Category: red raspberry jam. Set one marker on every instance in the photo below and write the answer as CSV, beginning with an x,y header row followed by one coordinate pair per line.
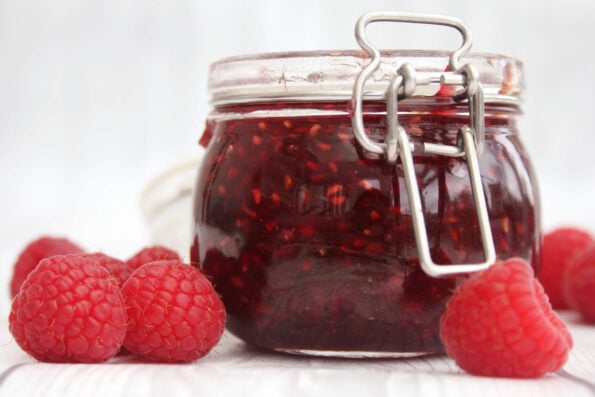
x,y
309,239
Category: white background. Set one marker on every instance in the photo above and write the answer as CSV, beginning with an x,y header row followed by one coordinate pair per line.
x,y
97,97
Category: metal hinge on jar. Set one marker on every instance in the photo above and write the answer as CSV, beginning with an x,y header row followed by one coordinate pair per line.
x,y
470,139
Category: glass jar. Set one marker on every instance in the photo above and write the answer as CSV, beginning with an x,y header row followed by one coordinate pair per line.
x,y
310,239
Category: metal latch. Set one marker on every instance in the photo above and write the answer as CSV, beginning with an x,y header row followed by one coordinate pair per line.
x,y
396,145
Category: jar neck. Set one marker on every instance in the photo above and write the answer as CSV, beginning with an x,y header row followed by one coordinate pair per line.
x,y
330,76
407,109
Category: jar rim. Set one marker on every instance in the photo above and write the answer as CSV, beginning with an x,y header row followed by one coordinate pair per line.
x,y
329,75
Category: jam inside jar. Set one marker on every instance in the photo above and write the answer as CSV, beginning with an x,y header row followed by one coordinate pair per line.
x,y
308,238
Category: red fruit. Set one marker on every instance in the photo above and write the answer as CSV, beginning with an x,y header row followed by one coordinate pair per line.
x,y
559,248
151,254
69,310
119,270
174,314
580,284
500,323
37,250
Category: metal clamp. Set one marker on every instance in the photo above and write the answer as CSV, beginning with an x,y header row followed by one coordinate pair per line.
x,y
470,139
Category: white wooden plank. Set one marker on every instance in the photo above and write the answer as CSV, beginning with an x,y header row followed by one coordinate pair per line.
x,y
234,368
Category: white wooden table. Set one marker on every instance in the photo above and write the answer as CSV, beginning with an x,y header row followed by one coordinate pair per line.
x,y
234,369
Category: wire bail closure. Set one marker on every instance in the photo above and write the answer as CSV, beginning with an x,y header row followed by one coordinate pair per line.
x,y
470,139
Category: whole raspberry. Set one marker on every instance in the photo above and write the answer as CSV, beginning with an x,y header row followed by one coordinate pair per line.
x,y
500,323
580,284
119,270
69,310
174,314
559,248
151,254
37,250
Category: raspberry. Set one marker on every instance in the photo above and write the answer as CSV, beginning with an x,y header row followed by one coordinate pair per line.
x,y
174,314
119,270
500,323
559,248
151,254
69,310
34,252
580,284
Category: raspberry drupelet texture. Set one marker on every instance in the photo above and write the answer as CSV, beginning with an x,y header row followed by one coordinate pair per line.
x,y
580,284
151,254
69,310
119,270
37,250
174,314
560,246
499,323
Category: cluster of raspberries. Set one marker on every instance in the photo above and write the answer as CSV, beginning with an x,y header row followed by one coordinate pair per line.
x,y
73,306
568,270
501,322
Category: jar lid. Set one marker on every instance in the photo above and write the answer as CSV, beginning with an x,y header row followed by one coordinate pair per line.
x,y
330,75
